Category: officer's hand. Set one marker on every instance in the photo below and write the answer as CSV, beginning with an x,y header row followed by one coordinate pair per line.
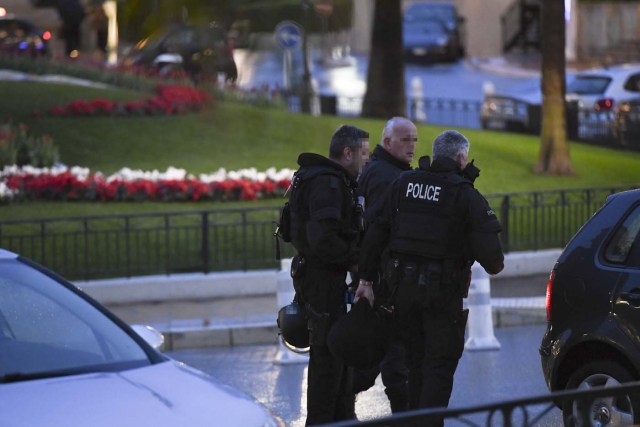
x,y
364,290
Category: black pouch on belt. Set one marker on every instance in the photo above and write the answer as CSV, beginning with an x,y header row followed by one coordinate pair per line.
x,y
318,325
298,265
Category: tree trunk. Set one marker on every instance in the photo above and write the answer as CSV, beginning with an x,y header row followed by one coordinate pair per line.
x,y
385,96
554,147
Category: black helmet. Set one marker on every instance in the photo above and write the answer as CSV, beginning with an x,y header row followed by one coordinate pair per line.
x,y
292,323
361,337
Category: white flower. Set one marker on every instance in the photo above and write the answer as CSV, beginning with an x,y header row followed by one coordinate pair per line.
x,y
5,192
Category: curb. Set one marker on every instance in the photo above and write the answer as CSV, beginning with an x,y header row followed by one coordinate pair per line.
x,y
255,294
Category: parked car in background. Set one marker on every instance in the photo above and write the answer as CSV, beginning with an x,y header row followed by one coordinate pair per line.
x,y
203,52
67,361
432,32
595,93
593,312
20,36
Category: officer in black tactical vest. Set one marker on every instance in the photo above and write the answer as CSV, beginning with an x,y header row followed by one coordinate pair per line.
x,y
325,230
436,225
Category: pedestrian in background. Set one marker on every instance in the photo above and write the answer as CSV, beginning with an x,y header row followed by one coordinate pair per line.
x,y
325,232
436,224
100,24
392,156
71,13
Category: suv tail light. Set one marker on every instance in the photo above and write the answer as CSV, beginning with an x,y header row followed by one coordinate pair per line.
x,y
549,294
605,104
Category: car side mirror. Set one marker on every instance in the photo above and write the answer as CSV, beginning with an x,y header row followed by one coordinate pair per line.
x,y
152,336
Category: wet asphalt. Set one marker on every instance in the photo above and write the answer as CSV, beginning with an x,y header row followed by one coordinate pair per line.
x,y
483,377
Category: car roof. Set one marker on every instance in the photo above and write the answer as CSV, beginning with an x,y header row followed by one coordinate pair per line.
x,y
629,195
614,71
5,254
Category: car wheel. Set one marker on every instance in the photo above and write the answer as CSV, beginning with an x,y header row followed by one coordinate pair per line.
x,y
604,410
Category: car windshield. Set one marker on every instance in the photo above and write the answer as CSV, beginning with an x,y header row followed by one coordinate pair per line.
x,y
443,12
429,26
589,85
47,330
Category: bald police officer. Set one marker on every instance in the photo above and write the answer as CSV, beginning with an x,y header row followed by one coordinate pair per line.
x,y
436,225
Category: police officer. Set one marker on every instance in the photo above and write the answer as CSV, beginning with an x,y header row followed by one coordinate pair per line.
x,y
436,225
391,157
325,232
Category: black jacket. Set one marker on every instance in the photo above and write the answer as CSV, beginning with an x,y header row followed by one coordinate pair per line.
x,y
322,212
377,177
478,224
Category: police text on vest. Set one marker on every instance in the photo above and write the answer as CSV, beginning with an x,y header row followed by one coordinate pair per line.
x,y
423,191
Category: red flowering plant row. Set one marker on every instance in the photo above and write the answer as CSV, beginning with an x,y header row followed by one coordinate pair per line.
x,y
169,99
62,183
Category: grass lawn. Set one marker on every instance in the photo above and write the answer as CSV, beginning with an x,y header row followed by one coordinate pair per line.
x,y
237,136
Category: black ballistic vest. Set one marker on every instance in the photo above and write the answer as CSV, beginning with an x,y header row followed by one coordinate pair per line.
x,y
429,219
299,205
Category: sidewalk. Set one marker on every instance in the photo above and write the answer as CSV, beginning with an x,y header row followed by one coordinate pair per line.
x,y
239,308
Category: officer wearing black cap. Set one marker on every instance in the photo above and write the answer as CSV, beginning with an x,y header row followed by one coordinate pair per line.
x,y
325,230
436,225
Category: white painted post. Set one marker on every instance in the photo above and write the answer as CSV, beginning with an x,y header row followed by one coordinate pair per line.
x,y
417,93
480,321
284,296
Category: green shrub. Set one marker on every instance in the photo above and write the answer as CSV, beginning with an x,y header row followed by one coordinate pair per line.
x,y
18,147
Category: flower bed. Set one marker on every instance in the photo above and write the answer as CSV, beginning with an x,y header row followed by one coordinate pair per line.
x,y
62,183
169,99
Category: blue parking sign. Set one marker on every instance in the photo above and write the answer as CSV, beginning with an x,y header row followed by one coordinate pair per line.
x,y
288,35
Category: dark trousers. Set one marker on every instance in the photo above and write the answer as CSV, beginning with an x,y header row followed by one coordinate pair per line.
x,y
433,333
327,382
327,378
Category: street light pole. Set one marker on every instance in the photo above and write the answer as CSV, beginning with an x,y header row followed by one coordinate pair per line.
x,y
305,95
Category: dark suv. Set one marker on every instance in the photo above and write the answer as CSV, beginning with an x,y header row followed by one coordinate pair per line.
x,y
593,311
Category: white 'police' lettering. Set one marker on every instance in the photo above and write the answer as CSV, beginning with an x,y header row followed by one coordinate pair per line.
x,y
422,191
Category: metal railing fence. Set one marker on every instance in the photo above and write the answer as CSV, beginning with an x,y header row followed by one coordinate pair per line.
x,y
588,405
585,125
128,245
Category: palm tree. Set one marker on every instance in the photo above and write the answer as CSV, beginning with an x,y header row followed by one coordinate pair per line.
x,y
554,155
385,96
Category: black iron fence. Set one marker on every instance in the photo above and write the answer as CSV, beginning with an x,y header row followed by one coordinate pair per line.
x,y
588,407
584,125
242,238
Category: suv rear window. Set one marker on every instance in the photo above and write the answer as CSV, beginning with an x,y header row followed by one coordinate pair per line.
x,y
589,85
618,249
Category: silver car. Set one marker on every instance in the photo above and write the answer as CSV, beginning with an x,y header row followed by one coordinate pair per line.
x,y
592,95
67,361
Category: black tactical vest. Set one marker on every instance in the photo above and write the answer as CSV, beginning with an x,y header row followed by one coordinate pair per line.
x,y
429,219
299,205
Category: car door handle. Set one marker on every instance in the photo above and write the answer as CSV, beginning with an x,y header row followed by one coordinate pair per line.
x,y
631,297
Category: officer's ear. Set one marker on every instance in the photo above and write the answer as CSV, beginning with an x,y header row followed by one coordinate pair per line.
x,y
347,153
386,143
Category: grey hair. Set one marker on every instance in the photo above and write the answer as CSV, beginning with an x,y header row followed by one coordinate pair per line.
x,y
449,144
390,126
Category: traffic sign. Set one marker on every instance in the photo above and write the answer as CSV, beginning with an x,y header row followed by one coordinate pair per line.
x,y
288,35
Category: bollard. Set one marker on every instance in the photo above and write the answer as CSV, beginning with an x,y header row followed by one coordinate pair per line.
x,y
480,322
284,296
417,105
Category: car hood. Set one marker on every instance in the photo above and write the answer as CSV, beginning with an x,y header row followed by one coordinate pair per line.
x,y
529,95
165,394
